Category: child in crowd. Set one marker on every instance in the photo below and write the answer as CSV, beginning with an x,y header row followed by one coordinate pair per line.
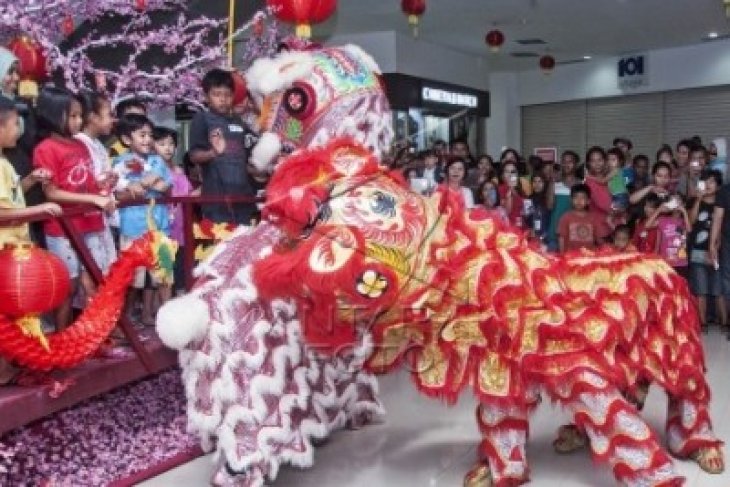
x,y
166,147
12,201
124,108
488,198
146,175
672,227
221,143
538,217
580,228
617,182
645,233
73,185
621,240
98,122
511,194
12,188
704,278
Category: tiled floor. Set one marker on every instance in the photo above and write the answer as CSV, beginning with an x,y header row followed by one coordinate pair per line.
x,y
425,443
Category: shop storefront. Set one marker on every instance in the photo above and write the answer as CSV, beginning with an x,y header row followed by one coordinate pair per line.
x,y
425,111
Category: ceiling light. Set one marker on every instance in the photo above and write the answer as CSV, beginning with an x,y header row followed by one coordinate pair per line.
x,y
587,58
712,35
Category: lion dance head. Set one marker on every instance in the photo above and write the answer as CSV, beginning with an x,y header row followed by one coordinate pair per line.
x,y
310,96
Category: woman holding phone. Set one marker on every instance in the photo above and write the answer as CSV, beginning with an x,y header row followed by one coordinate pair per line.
x,y
510,193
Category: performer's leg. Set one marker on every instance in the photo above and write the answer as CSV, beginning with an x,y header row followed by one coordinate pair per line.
x,y
502,456
619,435
689,434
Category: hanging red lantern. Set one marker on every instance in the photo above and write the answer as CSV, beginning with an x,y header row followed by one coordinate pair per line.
x,y
303,13
32,281
31,58
547,63
494,39
68,26
240,92
140,5
414,9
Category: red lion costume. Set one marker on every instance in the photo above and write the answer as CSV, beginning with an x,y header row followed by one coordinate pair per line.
x,y
464,300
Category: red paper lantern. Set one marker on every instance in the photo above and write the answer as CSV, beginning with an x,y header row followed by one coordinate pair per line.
x,y
32,281
547,63
31,58
413,9
494,39
303,13
68,26
140,5
240,91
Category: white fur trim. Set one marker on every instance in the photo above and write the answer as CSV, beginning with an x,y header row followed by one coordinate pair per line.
x,y
266,151
358,53
181,321
269,75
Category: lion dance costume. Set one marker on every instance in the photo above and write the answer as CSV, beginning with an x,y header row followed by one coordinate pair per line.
x,y
371,275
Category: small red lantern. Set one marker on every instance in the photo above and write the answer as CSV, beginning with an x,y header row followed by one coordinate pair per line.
x,y
240,91
494,39
414,9
140,5
68,26
303,13
547,63
31,58
32,281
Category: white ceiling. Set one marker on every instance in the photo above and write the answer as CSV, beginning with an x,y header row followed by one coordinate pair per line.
x,y
571,28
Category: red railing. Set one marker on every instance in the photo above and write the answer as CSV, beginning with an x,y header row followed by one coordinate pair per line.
x,y
28,404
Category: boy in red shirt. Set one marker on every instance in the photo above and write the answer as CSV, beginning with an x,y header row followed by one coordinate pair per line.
x,y
580,228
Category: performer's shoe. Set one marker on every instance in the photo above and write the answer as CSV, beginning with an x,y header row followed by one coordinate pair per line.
x,y
569,439
710,459
479,476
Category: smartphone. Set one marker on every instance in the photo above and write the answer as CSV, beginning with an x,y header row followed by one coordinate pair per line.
x,y
701,186
695,163
673,204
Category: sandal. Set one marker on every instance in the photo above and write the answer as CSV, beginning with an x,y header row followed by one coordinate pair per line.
x,y
479,476
710,459
569,439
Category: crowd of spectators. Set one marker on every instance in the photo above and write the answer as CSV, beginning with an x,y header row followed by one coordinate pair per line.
x,y
672,205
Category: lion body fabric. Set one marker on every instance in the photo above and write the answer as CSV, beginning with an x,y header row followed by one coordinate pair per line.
x,y
466,301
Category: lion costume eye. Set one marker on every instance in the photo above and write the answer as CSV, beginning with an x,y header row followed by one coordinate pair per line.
x,y
300,100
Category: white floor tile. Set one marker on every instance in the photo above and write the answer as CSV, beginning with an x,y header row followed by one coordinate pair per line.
x,y
425,443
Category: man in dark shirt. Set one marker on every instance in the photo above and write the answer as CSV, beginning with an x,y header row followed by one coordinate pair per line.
x,y
720,243
220,143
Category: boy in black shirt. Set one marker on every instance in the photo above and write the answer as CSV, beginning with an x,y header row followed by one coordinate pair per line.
x,y
220,143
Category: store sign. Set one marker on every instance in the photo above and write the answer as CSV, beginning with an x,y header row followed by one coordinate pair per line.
x,y
632,72
437,95
547,154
